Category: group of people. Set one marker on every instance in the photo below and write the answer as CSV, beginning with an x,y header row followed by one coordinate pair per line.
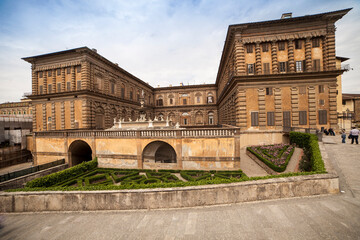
x,y
353,135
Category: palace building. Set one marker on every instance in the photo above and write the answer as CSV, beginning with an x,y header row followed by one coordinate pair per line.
x,y
272,74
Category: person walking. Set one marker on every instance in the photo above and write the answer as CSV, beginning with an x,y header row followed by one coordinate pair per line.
x,y
355,135
343,135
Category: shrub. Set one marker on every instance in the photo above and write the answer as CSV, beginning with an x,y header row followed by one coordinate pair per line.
x,y
62,176
194,175
311,148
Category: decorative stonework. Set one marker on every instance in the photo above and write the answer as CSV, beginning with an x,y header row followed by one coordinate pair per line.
x,y
308,58
73,80
332,107
258,58
72,114
291,55
62,115
278,108
312,106
262,113
241,108
53,116
44,117
274,61
294,107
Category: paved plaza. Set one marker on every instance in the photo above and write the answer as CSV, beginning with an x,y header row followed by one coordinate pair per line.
x,y
322,217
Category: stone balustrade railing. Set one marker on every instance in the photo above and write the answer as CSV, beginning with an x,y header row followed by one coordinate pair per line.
x,y
180,133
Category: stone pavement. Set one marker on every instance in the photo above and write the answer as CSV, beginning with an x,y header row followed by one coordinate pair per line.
x,y
16,167
322,217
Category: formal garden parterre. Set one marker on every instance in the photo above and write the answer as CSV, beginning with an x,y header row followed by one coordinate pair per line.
x,y
87,176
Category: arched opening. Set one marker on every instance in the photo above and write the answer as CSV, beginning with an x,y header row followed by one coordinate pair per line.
x,y
79,151
159,152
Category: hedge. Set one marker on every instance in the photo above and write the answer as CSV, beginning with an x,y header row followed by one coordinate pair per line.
x,y
311,146
62,176
270,164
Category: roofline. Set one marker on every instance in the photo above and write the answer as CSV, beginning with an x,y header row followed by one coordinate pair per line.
x,y
185,87
334,14
342,59
93,53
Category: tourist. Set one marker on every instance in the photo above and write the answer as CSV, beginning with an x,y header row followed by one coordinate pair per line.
x,y
343,135
354,135
331,131
326,132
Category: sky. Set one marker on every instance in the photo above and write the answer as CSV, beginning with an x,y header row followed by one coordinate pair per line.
x,y
161,42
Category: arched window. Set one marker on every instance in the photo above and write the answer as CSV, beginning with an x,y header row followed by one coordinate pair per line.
x,y
171,99
185,118
198,97
210,98
199,118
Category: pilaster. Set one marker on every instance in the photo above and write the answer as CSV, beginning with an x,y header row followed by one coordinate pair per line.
x,y
53,82
86,118
85,75
325,55
53,117
73,80
274,61
258,58
239,55
308,58
312,106
34,81
241,118
45,83
63,83
44,116
333,107
278,108
262,113
34,122
330,42
62,115
72,114
291,55
294,107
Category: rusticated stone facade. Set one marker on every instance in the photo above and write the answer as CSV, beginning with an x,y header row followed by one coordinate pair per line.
x,y
272,74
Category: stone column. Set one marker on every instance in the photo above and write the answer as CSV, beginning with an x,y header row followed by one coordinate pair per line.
x,y
312,106
308,58
34,81
239,55
53,116
86,121
63,83
53,82
332,107
85,75
294,107
274,61
34,118
291,55
325,55
278,109
262,113
108,122
72,114
62,115
258,58
240,102
44,116
45,83
73,80
330,43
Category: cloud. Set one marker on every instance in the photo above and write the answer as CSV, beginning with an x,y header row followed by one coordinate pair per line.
x,y
161,42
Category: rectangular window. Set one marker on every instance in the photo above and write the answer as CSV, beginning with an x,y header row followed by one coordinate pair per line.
x,y
68,70
249,48
322,102
269,91
265,47
49,88
250,68
41,89
299,66
184,101
270,118
122,92
197,100
321,88
254,119
68,86
316,65
302,117
322,117
131,95
159,102
315,42
185,121
302,90
78,85
49,73
281,46
40,74
59,87
298,44
58,72
112,88
286,119
266,68
78,69
282,67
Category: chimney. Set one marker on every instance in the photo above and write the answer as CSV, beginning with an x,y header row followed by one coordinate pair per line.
x,y
286,15
94,50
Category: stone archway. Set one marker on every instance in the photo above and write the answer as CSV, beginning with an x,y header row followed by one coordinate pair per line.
x,y
79,151
159,152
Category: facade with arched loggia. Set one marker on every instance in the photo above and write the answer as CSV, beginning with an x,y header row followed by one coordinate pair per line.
x,y
272,75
